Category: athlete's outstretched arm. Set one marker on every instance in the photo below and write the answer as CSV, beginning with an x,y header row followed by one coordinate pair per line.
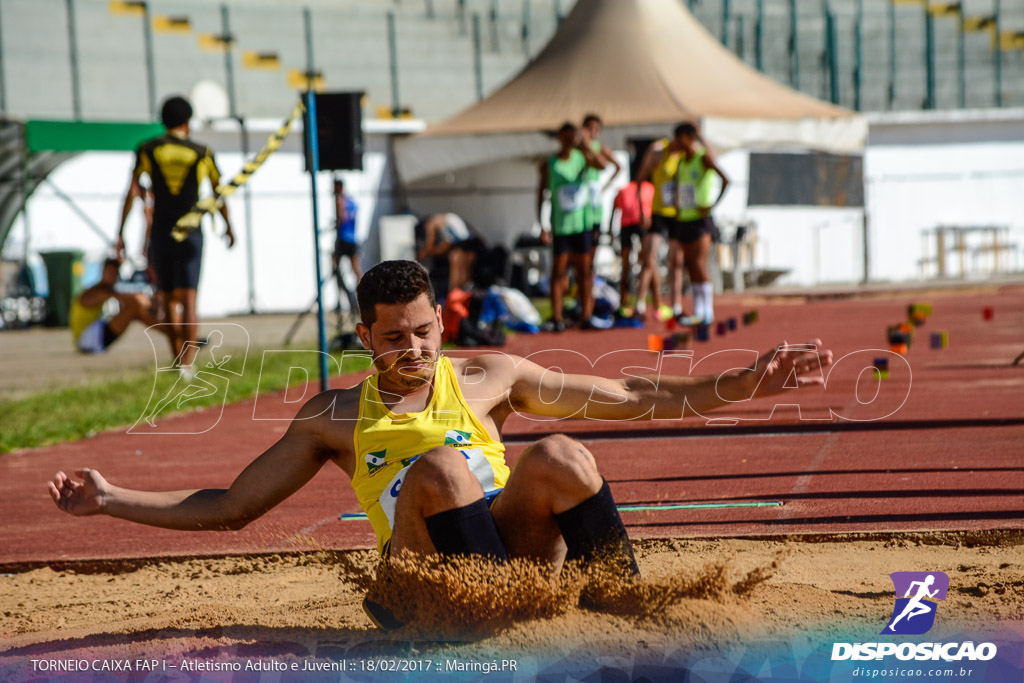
x,y
540,391
276,474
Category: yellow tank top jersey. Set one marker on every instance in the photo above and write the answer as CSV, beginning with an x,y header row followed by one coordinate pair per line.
x,y
80,317
664,180
387,444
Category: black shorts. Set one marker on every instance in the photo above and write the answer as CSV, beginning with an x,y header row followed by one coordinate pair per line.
x,y
580,243
177,264
689,232
343,248
661,225
109,336
626,233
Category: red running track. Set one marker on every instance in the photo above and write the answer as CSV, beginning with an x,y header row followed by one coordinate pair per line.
x,y
939,447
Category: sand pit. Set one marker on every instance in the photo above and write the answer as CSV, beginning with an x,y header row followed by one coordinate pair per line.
x,y
306,607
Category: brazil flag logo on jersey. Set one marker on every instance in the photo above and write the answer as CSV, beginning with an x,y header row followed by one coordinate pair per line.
x,y
375,461
456,438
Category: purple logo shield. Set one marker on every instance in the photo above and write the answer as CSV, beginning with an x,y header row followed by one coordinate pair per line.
x,y
917,594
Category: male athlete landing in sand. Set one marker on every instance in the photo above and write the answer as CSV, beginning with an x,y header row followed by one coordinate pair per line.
x,y
425,455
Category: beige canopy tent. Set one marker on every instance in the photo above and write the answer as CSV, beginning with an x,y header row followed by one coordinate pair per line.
x,y
635,63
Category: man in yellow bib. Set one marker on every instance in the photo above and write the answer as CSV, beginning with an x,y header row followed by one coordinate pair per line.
x,y
421,442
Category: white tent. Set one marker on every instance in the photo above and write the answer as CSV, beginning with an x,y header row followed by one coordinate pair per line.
x,y
635,63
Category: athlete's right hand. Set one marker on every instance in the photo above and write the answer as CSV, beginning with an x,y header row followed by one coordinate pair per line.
x,y
119,247
645,220
79,498
545,237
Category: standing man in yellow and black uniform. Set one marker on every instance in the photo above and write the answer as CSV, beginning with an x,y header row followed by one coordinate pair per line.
x,y
177,167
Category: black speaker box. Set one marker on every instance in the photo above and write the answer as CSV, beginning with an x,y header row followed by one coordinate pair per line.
x,y
339,120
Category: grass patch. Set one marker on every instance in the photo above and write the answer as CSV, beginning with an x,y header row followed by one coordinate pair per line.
x,y
74,413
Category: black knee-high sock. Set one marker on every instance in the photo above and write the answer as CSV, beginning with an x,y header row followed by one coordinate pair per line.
x,y
593,527
468,530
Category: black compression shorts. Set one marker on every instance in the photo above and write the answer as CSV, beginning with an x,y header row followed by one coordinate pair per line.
x,y
688,232
177,264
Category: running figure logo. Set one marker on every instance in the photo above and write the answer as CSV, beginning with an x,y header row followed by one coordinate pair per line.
x,y
914,612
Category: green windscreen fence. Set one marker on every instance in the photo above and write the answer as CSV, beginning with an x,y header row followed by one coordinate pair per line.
x,y
81,136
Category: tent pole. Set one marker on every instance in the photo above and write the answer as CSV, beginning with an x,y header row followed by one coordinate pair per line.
x,y
76,86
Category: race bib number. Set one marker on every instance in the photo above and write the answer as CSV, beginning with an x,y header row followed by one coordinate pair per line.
x,y
389,498
668,193
478,464
571,197
595,195
687,196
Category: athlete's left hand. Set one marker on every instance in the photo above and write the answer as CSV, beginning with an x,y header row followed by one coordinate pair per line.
x,y
775,370
703,211
229,237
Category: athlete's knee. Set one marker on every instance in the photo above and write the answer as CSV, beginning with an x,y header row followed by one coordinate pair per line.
x,y
564,462
440,472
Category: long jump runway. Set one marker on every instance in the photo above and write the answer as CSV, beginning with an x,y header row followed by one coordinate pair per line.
x,y
937,446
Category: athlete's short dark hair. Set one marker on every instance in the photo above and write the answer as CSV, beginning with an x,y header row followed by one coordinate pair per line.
x,y
592,118
685,128
567,126
392,282
175,112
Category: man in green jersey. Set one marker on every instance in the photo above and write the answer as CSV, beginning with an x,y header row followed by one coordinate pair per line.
x,y
563,180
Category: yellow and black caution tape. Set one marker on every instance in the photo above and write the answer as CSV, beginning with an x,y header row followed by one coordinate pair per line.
x,y
191,220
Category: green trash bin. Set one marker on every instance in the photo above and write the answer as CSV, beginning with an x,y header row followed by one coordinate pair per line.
x,y
64,270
